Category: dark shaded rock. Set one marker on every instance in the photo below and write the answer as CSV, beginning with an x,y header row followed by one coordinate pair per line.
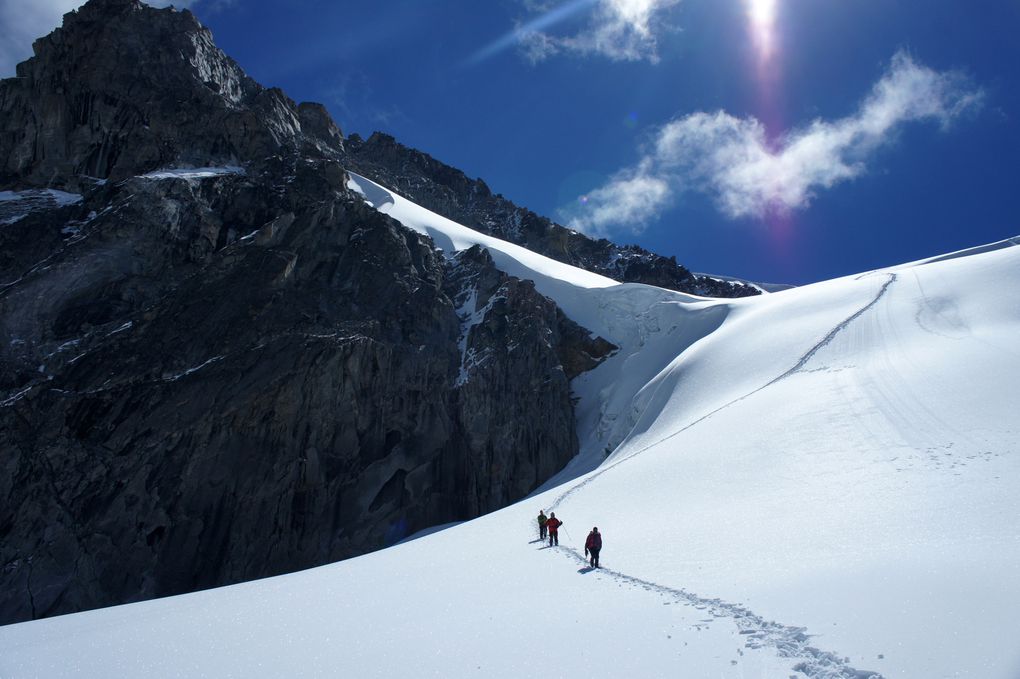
x,y
122,89
207,380
449,192
214,380
204,381
518,355
318,125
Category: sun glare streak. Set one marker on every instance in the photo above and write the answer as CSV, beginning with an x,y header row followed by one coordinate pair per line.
x,y
547,20
762,17
761,22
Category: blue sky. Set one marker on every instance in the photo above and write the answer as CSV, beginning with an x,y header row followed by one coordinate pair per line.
x,y
778,140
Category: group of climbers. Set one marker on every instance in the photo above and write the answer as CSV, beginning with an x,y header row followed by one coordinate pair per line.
x,y
551,526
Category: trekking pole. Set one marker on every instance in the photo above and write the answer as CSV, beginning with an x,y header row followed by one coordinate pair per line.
x,y
568,534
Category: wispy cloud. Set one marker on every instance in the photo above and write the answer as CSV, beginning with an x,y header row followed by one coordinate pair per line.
x,y
634,195
733,160
623,30
21,22
531,30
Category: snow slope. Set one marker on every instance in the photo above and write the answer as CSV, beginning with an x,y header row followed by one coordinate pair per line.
x,y
821,482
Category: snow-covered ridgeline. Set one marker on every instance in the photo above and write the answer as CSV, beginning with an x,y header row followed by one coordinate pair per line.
x,y
600,304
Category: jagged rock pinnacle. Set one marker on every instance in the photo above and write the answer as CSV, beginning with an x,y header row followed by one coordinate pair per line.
x,y
123,88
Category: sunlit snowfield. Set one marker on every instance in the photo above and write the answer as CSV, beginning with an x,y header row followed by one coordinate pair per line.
x,y
820,482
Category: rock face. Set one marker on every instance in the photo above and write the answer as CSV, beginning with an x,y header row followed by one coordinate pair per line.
x,y
516,347
122,88
451,193
181,414
207,377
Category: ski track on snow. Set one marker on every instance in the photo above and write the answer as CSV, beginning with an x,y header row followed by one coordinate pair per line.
x,y
790,641
831,335
795,369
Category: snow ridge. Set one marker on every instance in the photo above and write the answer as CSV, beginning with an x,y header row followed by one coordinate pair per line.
x,y
832,333
788,640
840,327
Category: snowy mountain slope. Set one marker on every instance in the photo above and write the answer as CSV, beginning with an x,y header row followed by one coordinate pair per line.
x,y
449,192
650,325
907,371
864,487
821,482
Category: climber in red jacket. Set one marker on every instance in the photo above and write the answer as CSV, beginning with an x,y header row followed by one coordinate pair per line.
x,y
553,525
593,545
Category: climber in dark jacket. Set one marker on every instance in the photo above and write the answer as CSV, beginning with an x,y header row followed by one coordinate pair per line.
x,y
541,524
593,545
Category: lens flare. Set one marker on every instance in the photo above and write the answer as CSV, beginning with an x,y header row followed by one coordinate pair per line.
x,y
761,26
762,16
514,37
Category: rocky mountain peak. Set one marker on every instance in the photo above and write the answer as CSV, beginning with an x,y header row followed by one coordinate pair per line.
x,y
158,47
122,88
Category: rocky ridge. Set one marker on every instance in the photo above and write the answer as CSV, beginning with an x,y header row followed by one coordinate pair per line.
x,y
213,375
449,192
121,89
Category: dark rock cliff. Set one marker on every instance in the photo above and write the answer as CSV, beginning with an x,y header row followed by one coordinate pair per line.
x,y
122,88
451,193
207,379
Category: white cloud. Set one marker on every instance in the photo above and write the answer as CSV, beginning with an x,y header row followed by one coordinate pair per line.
x,y
623,30
632,196
732,160
23,21
537,47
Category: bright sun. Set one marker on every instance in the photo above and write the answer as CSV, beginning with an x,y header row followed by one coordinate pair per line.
x,y
762,12
762,17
